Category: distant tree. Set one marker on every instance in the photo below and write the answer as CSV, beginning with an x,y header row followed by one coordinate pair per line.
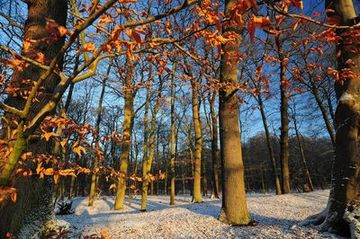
x,y
129,95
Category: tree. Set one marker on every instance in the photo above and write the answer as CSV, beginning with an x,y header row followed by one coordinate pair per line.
x,y
34,196
261,85
214,144
234,207
341,213
148,161
95,175
284,128
198,141
128,123
172,137
301,148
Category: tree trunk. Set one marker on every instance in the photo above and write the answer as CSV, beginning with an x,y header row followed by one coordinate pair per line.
x,y
172,140
94,176
302,153
234,207
284,136
203,178
158,160
129,95
147,164
198,142
345,195
324,113
343,209
214,146
34,206
270,147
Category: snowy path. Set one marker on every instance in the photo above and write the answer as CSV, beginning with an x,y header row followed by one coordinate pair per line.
x,y
275,215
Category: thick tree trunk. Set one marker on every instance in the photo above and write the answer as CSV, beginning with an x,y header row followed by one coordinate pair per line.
x,y
284,136
33,208
343,209
198,143
270,147
345,196
234,207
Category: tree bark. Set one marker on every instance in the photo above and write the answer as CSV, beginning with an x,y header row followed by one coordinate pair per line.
x,y
129,95
324,113
214,145
343,209
147,164
198,143
172,140
284,136
94,176
270,147
234,207
345,195
33,208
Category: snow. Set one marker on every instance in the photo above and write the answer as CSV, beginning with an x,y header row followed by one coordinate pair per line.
x,y
277,217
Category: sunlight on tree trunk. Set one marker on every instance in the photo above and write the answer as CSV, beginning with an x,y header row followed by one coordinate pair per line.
x,y
147,164
234,207
95,176
198,143
214,145
342,212
34,195
129,96
172,138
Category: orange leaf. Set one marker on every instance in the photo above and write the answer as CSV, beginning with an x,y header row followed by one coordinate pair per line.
x,y
39,168
56,178
63,31
49,171
13,196
105,19
90,46
112,187
67,172
6,191
133,34
298,3
63,142
257,22
105,233
80,150
48,135
26,45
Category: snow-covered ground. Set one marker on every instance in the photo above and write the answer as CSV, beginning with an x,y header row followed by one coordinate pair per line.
x,y
277,217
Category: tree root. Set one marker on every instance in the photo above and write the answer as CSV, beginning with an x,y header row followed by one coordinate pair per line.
x,y
348,225
315,220
352,217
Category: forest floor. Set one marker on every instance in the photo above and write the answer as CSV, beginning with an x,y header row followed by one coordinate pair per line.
x,y
277,217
